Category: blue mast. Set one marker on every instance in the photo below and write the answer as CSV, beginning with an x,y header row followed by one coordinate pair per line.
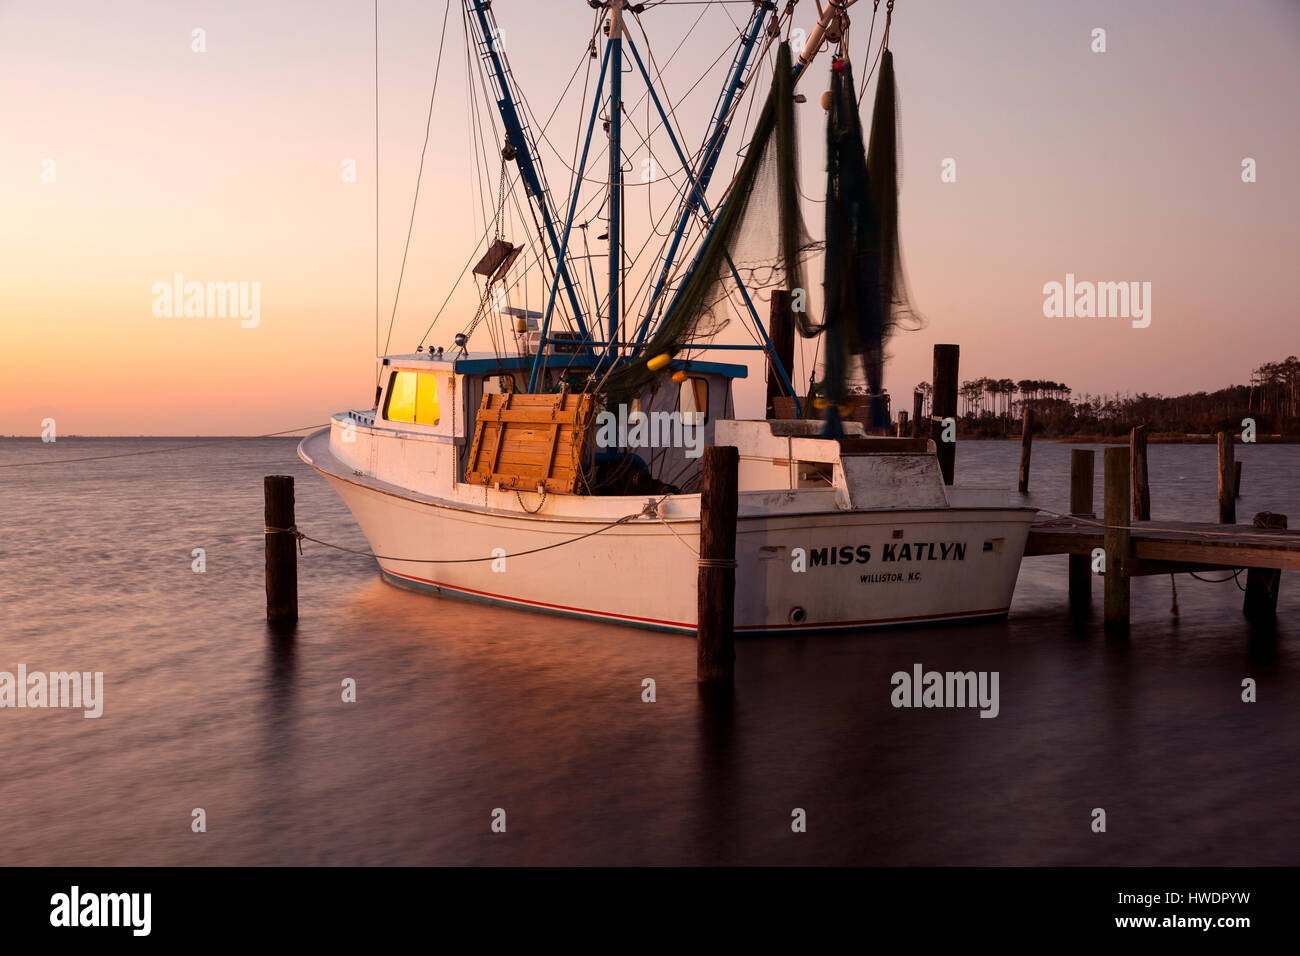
x,y
568,229
703,205
525,149
615,51
720,126
692,203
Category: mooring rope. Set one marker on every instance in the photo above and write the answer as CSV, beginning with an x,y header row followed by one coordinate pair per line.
x,y
1234,577
651,509
301,537
1230,577
1236,572
1199,532
684,542
157,451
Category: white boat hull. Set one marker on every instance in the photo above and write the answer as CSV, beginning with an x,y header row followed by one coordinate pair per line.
x,y
813,571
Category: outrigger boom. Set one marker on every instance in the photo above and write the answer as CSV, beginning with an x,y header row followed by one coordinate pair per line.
x,y
832,21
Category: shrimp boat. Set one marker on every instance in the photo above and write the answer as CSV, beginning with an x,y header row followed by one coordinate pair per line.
x,y
560,472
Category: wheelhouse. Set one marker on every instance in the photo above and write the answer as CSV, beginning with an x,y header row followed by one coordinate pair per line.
x,y
437,397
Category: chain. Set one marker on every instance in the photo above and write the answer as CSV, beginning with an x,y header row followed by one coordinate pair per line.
x,y
501,193
540,504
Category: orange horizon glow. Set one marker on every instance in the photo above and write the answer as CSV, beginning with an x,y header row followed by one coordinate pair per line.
x,y
226,166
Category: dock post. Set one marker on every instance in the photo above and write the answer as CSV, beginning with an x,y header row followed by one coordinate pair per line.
x,y
1026,445
902,423
1227,504
780,327
1116,538
918,403
281,553
1236,479
1262,584
1137,442
1083,466
715,610
944,405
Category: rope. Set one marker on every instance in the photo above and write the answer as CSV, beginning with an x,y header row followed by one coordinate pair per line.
x,y
1145,527
498,225
871,33
519,554
1234,576
655,513
292,529
428,123
1230,577
474,252
884,45
156,451
651,510
376,5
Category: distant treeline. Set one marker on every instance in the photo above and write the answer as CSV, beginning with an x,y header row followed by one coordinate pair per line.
x,y
991,407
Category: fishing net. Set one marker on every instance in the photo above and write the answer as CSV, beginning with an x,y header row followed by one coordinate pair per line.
x,y
759,240
897,311
865,287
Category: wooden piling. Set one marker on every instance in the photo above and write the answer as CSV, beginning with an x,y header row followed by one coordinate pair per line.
x,y
944,405
918,403
1083,465
1026,445
1262,584
1227,482
1236,479
1116,539
902,423
281,550
780,327
1137,443
715,652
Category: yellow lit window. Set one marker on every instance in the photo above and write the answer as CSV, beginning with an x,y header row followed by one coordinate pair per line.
x,y
426,399
413,397
401,398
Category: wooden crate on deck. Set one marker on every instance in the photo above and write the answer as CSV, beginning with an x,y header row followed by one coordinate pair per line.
x,y
523,440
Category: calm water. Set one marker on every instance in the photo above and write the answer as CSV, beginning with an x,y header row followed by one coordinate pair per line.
x,y
462,709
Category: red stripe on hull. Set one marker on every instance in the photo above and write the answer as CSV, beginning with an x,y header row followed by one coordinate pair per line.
x,y
678,626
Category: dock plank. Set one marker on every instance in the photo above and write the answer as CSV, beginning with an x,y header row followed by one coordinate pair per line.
x,y
1171,543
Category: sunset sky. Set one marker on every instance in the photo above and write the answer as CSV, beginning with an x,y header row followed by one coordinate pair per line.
x,y
226,166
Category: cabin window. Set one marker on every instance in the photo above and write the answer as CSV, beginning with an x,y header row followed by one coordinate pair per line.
x,y
413,397
693,401
499,384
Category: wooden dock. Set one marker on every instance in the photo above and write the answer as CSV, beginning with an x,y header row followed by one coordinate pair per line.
x,y
1125,544
1174,547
